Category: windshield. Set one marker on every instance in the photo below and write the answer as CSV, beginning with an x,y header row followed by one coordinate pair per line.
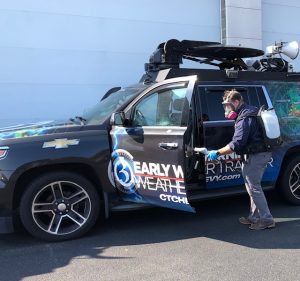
x,y
102,110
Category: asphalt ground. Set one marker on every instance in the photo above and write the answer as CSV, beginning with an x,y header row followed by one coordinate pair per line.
x,y
162,244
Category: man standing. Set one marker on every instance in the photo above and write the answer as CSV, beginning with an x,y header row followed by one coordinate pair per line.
x,y
248,141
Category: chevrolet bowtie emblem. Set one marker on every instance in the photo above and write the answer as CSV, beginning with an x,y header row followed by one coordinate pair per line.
x,y
60,143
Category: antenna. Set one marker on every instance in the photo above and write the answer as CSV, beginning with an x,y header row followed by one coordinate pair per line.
x,y
170,54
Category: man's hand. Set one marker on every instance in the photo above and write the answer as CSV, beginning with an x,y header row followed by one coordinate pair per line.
x,y
212,155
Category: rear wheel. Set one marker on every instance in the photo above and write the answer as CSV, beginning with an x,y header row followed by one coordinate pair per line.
x,y
59,206
289,182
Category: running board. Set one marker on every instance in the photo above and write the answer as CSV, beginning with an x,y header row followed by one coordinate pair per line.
x,y
130,206
209,194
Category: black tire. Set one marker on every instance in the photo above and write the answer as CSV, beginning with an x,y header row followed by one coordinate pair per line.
x,y
289,180
59,206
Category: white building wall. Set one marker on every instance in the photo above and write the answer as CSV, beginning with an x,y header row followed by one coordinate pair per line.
x,y
58,57
242,23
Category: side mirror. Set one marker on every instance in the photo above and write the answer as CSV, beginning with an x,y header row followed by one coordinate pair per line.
x,y
117,118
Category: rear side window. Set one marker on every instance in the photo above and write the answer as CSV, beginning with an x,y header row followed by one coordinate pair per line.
x,y
211,101
253,97
211,98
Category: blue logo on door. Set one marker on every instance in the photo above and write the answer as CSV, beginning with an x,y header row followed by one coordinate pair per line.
x,y
123,171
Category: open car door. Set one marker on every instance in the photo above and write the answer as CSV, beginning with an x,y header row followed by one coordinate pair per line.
x,y
148,153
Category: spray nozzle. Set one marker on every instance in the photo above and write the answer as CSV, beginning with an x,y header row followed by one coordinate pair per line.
x,y
202,150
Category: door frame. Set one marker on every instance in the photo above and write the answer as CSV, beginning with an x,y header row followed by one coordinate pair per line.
x,y
182,202
227,123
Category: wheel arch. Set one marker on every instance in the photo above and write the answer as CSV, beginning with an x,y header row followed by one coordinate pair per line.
x,y
289,154
79,168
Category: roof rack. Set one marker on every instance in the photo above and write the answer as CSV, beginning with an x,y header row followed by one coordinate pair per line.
x,y
169,54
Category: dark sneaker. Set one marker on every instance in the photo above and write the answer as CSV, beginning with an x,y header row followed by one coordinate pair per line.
x,y
246,221
262,225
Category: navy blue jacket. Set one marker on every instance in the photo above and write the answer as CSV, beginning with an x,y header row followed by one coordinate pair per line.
x,y
246,130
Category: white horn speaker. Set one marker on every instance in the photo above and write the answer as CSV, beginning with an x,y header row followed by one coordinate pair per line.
x,y
290,49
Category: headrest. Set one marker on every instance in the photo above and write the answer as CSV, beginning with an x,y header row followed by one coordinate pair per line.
x,y
178,104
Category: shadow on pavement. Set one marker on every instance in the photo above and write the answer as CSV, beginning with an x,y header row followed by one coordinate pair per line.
x,y
215,219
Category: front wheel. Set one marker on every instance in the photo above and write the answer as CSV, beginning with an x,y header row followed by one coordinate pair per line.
x,y
59,206
289,182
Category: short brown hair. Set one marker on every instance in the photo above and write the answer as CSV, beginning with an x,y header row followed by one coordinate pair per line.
x,y
232,95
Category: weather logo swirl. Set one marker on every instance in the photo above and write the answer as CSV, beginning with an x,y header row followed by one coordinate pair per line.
x,y
123,171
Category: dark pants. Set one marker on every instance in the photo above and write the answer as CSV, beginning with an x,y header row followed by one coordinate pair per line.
x,y
252,170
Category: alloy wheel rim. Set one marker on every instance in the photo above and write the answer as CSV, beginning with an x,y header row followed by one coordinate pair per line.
x,y
61,208
294,181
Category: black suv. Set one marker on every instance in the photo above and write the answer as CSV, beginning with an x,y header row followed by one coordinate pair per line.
x,y
135,148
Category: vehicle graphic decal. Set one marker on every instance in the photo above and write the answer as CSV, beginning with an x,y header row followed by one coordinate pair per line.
x,y
285,97
122,171
227,171
23,133
31,130
3,151
160,184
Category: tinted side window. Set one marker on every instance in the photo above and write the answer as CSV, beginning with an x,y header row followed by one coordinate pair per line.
x,y
253,97
166,107
211,101
212,97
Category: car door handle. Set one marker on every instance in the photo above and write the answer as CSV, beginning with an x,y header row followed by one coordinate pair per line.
x,y
168,145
